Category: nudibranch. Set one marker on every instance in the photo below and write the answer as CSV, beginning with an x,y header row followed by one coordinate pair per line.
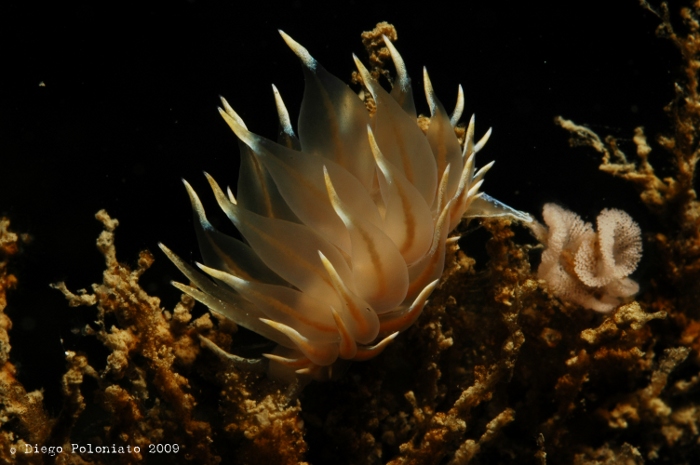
x,y
345,226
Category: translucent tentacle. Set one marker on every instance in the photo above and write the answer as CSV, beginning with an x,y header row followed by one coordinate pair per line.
x,y
299,178
359,318
223,301
486,206
398,321
408,219
286,136
400,139
459,107
289,249
225,252
332,119
322,354
365,353
288,306
442,139
401,91
379,270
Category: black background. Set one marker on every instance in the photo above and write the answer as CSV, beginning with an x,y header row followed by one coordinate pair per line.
x,y
128,107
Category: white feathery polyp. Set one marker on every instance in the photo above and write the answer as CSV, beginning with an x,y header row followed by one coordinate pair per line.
x,y
587,267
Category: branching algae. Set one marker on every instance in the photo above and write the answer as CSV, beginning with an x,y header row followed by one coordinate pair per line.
x,y
499,367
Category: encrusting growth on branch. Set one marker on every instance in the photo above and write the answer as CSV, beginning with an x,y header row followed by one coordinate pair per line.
x,y
655,192
147,390
23,419
672,199
669,195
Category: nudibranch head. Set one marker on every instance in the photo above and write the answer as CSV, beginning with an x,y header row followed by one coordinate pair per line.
x,y
346,225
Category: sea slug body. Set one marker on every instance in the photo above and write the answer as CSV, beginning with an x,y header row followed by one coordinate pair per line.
x,y
345,226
